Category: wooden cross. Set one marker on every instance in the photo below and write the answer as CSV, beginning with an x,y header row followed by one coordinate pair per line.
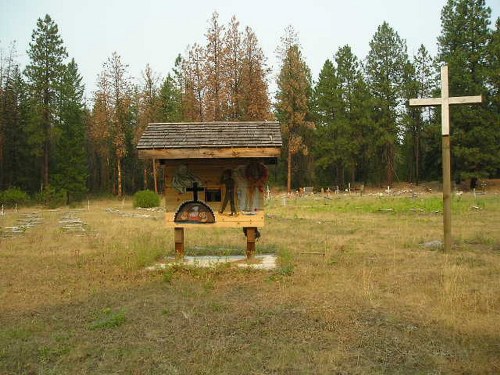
x,y
195,189
445,101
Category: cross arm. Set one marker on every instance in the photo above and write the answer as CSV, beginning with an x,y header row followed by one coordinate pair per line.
x,y
425,102
466,99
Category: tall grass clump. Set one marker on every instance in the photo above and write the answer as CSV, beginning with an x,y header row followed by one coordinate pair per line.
x,y
146,199
147,249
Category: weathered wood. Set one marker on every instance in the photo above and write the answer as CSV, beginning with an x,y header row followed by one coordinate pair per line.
x,y
179,241
221,221
210,134
209,153
251,236
445,101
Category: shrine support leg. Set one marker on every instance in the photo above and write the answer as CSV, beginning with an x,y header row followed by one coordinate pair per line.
x,y
251,242
179,242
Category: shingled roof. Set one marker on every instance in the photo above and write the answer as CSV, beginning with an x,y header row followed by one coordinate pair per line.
x,y
210,135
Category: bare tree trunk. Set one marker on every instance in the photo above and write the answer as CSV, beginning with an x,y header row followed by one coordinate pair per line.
x,y
46,164
289,172
119,171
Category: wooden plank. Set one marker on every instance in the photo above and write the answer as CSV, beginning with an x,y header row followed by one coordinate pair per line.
x,y
221,221
179,241
466,99
251,234
210,153
425,102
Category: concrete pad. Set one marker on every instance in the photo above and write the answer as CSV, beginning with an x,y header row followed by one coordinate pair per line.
x,y
261,262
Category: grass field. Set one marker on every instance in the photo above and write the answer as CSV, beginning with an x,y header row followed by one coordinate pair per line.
x,y
376,302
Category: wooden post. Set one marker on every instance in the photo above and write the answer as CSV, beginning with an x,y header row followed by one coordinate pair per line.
x,y
251,242
179,242
447,241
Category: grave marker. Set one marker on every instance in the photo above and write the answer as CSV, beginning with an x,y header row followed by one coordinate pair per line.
x,y
445,101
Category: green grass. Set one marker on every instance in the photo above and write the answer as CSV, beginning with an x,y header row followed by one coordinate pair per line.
x,y
109,319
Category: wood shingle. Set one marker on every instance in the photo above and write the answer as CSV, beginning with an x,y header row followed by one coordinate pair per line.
x,y
210,140
210,135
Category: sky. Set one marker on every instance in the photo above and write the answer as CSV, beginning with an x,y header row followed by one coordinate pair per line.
x,y
154,32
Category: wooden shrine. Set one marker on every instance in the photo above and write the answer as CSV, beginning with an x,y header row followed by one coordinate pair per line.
x,y
215,173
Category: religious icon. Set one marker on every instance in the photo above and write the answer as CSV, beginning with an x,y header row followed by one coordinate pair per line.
x,y
228,181
257,176
184,178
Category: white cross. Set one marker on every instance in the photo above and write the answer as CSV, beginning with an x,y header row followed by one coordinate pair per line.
x,y
445,101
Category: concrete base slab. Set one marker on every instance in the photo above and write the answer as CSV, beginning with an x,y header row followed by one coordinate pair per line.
x,y
260,262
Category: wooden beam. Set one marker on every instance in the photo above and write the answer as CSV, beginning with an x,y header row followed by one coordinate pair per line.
x,y
179,241
466,99
221,221
210,153
425,102
251,236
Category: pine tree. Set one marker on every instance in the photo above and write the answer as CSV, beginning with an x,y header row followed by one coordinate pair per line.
x,y
463,45
232,69
292,104
111,127
357,107
71,170
170,101
216,84
194,90
385,67
419,83
43,77
327,109
149,107
493,79
254,98
16,166
99,139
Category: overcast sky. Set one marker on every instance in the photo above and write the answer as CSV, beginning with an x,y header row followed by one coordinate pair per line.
x,y
156,31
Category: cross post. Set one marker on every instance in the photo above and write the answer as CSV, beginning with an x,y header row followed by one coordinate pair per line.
x,y
445,101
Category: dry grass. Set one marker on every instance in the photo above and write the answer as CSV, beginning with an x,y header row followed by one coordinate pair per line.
x,y
377,302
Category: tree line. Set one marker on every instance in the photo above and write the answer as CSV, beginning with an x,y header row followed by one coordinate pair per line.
x,y
350,125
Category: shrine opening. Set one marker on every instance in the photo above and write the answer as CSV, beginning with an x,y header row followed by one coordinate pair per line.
x,y
215,173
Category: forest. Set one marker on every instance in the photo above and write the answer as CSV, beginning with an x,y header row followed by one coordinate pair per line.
x,y
350,125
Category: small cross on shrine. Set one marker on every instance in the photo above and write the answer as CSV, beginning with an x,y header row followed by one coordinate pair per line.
x,y
445,101
195,189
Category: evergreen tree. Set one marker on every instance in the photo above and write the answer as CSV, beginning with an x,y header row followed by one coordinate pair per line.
x,y
170,101
253,96
419,83
112,125
385,65
232,69
327,109
70,169
149,109
16,167
43,78
292,107
463,45
357,107
215,71
193,92
493,81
